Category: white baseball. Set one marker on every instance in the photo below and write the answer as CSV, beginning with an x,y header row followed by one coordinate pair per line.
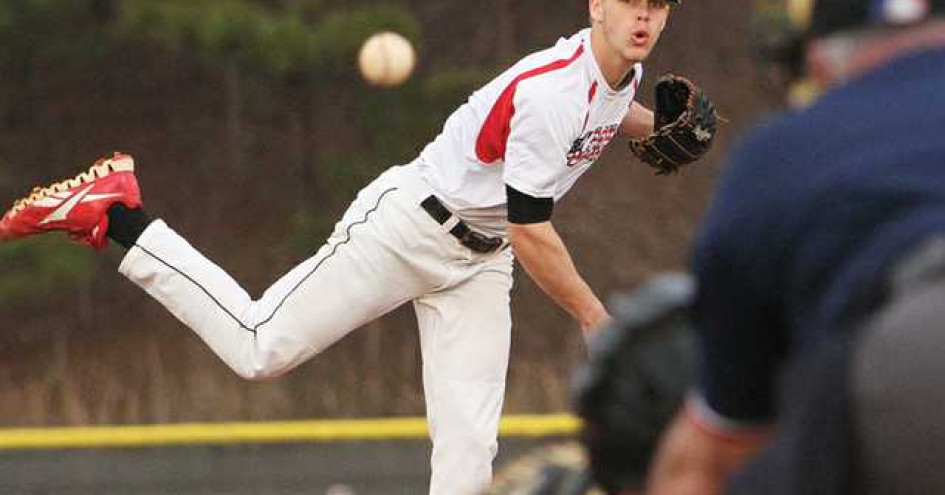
x,y
386,59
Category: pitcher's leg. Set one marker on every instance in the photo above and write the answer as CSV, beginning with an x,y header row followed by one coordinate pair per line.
x,y
465,336
353,279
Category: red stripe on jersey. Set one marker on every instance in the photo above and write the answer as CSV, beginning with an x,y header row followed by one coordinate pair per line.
x,y
590,98
494,134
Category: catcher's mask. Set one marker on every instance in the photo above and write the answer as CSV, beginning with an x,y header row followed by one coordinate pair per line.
x,y
781,28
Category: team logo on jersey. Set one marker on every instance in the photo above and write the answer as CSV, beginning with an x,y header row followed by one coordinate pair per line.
x,y
588,148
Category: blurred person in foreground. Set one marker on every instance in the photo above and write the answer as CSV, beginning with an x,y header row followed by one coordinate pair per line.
x,y
820,275
435,232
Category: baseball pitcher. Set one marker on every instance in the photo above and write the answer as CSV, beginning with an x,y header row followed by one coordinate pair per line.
x,y
436,232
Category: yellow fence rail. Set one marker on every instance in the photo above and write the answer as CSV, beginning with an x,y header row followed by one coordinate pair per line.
x,y
353,430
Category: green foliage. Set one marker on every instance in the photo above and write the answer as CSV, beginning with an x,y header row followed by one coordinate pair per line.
x,y
447,89
19,14
4,177
8,18
283,47
309,231
224,25
394,126
219,28
289,47
168,24
342,32
298,39
304,7
348,172
47,28
400,122
454,85
41,266
277,43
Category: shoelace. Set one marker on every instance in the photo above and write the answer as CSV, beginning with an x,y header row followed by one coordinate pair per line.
x,y
100,169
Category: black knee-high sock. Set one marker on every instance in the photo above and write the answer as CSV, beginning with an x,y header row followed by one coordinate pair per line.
x,y
125,225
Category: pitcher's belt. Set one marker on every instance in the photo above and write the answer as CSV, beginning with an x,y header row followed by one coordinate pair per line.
x,y
476,241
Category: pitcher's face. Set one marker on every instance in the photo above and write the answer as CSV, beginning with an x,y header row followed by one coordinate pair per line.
x,y
630,28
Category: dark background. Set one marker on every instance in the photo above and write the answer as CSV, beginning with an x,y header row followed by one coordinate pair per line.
x,y
252,131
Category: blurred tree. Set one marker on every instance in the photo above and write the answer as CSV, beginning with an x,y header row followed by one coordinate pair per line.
x,y
35,34
41,266
297,50
301,48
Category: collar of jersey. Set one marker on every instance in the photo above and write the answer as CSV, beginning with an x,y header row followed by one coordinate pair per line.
x,y
598,75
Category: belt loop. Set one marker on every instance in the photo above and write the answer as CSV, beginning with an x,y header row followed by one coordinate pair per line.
x,y
451,222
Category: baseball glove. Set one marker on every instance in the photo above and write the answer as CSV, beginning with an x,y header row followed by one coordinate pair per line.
x,y
685,126
639,371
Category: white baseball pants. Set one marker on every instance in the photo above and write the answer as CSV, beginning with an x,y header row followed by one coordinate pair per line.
x,y
385,251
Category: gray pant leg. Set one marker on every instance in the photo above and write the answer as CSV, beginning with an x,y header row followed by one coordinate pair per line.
x,y
899,394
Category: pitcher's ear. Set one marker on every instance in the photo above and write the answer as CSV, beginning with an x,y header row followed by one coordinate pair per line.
x,y
595,10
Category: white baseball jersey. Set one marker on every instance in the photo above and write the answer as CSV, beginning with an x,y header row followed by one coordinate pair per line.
x,y
536,127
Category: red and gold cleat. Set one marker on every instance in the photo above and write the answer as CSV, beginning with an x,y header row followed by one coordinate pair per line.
x,y
76,206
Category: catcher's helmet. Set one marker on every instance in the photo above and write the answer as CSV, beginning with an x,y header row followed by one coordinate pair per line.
x,y
640,368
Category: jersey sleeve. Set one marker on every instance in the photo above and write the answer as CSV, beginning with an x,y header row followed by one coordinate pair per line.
x,y
736,313
540,136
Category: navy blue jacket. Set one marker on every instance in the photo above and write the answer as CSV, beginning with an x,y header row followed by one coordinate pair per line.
x,y
810,213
